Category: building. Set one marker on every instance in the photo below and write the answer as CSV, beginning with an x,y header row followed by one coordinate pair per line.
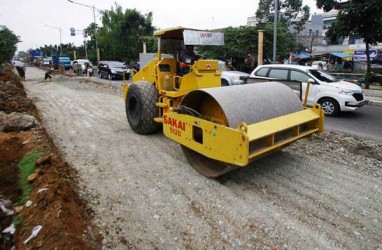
x,y
313,37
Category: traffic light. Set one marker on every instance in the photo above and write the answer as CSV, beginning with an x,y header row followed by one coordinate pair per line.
x,y
72,32
85,33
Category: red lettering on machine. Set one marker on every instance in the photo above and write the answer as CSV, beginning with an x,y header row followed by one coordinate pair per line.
x,y
174,123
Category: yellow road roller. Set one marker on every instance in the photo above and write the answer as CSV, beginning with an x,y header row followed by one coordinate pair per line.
x,y
219,128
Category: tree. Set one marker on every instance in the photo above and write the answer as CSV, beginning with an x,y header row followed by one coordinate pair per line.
x,y
240,40
291,13
8,41
22,54
359,17
244,39
48,51
122,33
90,44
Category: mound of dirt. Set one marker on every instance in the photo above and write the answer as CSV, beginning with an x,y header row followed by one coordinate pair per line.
x,y
53,203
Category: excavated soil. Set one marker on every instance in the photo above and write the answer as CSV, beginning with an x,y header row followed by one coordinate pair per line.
x,y
65,220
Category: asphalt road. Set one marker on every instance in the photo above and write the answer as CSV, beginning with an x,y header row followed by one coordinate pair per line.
x,y
366,122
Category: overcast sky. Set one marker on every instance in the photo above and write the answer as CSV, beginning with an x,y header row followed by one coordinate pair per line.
x,y
29,19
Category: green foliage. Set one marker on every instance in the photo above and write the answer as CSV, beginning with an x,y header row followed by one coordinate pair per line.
x,y
18,220
121,37
22,54
291,13
122,34
244,39
370,76
285,41
50,50
8,41
27,166
328,5
239,40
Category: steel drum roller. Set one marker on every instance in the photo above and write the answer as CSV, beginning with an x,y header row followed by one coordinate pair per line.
x,y
250,103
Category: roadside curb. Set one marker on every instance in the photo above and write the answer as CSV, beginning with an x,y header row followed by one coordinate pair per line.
x,y
374,103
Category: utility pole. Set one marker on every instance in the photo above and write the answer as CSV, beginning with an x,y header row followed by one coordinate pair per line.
x,y
95,31
275,31
59,30
260,47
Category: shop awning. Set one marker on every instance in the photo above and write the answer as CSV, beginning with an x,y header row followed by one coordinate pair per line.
x,y
341,55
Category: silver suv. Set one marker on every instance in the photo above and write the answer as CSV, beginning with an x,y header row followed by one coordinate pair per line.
x,y
79,66
231,76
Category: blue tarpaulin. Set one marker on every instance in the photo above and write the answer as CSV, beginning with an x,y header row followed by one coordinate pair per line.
x,y
341,55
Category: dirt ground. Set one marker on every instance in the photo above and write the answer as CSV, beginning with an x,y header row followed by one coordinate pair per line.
x,y
323,193
56,206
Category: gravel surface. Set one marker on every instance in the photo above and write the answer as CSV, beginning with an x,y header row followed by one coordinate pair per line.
x,y
323,193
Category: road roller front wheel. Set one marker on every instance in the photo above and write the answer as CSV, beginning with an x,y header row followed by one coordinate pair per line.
x,y
232,106
206,166
141,108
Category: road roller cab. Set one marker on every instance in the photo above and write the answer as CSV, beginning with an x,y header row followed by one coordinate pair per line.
x,y
219,129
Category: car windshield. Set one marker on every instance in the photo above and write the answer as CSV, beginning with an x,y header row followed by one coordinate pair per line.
x,y
116,65
322,76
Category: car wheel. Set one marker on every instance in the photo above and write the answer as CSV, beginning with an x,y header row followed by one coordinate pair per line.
x,y
224,83
329,106
109,76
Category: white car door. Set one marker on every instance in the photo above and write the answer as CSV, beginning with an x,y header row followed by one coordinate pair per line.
x,y
303,77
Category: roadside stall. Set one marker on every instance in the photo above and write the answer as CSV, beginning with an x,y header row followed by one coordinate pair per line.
x,y
340,62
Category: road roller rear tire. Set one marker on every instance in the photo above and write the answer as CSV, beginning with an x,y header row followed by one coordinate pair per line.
x,y
206,166
141,107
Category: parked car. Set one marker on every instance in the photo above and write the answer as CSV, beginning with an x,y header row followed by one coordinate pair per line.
x,y
46,62
79,66
333,95
113,70
231,76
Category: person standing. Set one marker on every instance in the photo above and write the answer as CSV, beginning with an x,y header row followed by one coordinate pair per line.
x,y
49,74
21,70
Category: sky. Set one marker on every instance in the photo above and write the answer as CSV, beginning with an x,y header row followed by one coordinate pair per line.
x,y
38,22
